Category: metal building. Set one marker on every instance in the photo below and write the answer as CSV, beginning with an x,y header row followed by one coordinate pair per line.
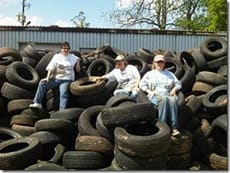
x,y
86,39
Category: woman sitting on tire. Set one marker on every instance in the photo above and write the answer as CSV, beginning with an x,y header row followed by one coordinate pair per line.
x,y
127,76
161,86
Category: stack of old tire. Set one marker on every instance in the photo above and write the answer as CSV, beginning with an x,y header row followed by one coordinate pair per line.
x,y
106,132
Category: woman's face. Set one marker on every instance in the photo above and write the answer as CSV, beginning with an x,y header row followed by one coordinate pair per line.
x,y
160,65
120,65
65,50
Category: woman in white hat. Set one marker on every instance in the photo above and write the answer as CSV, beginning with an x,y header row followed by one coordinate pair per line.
x,y
161,86
126,75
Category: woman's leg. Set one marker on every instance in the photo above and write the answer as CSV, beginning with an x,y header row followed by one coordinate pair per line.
x,y
173,107
64,94
43,86
162,103
121,91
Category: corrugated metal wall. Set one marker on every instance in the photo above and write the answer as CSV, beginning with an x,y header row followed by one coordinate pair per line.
x,y
129,41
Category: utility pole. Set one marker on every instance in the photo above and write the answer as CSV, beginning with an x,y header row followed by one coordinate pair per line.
x,y
21,16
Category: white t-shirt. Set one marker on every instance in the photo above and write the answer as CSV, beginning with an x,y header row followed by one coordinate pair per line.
x,y
63,66
127,78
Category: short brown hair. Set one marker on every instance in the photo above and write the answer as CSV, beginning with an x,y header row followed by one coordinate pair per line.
x,y
65,44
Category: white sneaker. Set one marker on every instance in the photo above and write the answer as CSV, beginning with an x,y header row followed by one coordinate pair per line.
x,y
35,105
175,132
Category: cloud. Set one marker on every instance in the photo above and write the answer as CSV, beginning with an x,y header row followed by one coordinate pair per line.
x,y
5,20
35,20
123,3
63,23
5,3
12,21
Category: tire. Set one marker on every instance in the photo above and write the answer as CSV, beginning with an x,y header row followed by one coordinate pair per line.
x,y
89,160
87,86
187,79
223,70
99,67
24,130
146,54
108,133
156,142
87,121
18,105
194,56
24,120
137,163
119,116
22,75
179,162
71,114
218,162
193,103
211,78
213,47
59,125
19,153
181,144
140,63
211,102
142,97
96,99
5,51
45,166
216,63
13,92
201,87
117,99
93,143
175,66
7,134
46,137
31,52
221,122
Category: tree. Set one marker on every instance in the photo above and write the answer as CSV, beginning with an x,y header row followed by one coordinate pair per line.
x,y
79,20
21,16
145,13
217,15
192,15
169,14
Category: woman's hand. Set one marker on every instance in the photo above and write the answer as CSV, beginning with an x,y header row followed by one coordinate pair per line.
x,y
173,92
151,93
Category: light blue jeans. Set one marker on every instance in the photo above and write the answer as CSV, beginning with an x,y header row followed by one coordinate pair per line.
x,y
44,86
167,109
126,92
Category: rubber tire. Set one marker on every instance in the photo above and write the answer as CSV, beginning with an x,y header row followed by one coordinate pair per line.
x,y
143,145
87,86
7,134
13,92
218,162
211,78
6,51
99,67
117,99
214,47
22,75
18,105
87,120
17,154
119,116
45,166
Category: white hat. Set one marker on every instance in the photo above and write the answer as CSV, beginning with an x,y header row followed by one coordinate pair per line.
x,y
159,58
120,58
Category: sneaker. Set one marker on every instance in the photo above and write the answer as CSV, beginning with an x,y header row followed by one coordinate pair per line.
x,y
35,105
175,132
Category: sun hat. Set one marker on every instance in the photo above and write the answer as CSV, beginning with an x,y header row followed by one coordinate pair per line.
x,y
159,58
120,58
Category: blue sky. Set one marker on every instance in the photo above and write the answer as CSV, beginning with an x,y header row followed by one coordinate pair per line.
x,y
58,12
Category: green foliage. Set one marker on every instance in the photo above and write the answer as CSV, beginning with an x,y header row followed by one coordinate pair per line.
x,y
217,15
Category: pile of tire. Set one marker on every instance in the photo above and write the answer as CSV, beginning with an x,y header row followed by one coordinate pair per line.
x,y
99,131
